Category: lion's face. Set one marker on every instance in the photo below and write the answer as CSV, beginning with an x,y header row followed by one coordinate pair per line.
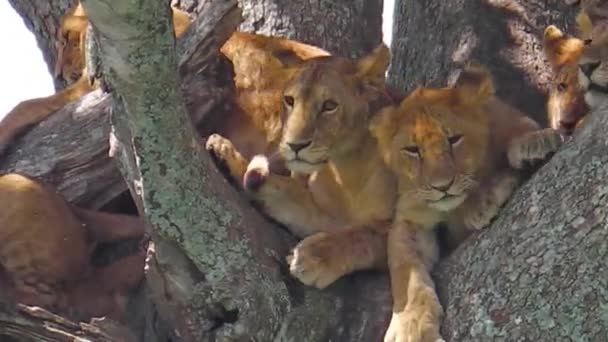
x,y
436,140
70,45
326,107
593,66
566,104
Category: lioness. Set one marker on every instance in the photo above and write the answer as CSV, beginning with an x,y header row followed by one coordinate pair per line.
x,y
455,152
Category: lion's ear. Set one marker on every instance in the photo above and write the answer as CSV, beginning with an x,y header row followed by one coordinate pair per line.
x,y
383,126
373,66
475,84
560,49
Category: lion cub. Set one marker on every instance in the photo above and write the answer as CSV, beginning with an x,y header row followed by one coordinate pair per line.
x,y
46,246
455,152
566,104
580,77
327,106
593,66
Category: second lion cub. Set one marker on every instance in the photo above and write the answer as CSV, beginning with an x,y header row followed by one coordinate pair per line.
x,y
455,152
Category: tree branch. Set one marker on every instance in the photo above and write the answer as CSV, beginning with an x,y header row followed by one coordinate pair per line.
x,y
34,324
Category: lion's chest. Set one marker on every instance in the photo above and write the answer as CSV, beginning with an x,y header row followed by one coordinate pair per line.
x,y
355,202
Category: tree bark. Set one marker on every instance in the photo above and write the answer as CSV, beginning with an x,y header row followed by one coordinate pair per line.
x,y
347,28
433,38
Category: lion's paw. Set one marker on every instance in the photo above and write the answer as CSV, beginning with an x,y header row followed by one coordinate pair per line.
x,y
405,327
220,147
224,152
533,147
489,203
256,174
314,261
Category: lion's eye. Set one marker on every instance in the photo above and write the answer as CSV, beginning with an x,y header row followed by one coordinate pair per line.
x,y
289,100
329,106
587,41
412,151
454,140
561,87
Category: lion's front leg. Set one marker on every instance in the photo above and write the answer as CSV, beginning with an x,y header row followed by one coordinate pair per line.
x,y
417,313
225,152
532,147
483,206
287,200
321,259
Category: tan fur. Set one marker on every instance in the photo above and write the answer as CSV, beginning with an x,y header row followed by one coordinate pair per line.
x,y
593,68
70,65
454,151
566,104
45,247
348,194
262,66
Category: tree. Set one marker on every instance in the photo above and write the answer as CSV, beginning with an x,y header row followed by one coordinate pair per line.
x,y
229,260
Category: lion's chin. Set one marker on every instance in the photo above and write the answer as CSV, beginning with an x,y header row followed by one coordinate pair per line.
x,y
448,203
301,166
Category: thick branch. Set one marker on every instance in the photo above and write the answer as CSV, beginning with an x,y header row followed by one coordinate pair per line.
x,y
33,324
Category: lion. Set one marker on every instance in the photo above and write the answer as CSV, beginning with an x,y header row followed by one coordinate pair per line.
x,y
71,66
343,205
593,69
262,67
456,153
566,104
46,246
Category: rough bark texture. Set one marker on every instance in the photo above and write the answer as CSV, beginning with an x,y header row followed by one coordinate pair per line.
x,y
43,18
21,323
349,28
433,37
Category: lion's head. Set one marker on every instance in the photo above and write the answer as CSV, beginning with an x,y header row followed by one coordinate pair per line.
x,y
566,103
327,105
593,63
436,139
70,45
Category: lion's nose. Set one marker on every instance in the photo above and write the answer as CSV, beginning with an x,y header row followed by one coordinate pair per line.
x,y
443,186
296,147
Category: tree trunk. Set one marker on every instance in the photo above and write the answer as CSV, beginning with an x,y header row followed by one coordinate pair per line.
x,y
433,38
538,273
348,28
